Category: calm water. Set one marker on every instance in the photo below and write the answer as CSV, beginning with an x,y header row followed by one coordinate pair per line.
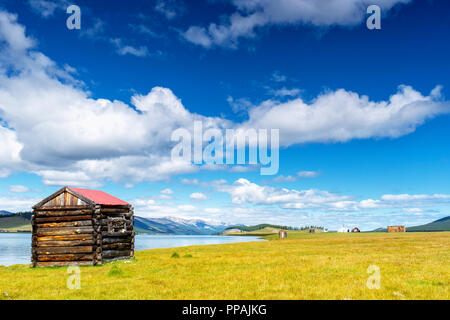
x,y
15,248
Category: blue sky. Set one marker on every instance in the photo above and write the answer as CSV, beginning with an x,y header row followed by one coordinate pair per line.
x,y
362,114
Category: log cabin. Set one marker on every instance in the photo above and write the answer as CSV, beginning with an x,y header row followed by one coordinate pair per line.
x,y
396,229
81,227
282,234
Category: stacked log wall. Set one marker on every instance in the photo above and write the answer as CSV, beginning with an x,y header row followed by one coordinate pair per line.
x,y
117,244
69,231
63,236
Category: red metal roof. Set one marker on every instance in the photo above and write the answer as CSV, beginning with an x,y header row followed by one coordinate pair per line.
x,y
100,197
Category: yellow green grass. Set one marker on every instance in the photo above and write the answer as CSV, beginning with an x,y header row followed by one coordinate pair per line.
x,y
305,266
15,223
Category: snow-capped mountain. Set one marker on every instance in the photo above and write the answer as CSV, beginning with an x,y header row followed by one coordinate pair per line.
x,y
176,225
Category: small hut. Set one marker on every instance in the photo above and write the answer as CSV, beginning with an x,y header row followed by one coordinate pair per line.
x,y
81,227
396,229
356,229
282,234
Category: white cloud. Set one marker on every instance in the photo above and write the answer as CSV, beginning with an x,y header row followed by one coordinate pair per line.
x,y
16,204
251,15
167,191
198,196
53,127
190,181
282,178
123,49
67,178
244,192
170,8
340,116
18,189
408,197
278,77
285,92
308,174
213,210
186,207
10,149
198,36
13,34
47,8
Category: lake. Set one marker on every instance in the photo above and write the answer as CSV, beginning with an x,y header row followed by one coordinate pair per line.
x,y
15,248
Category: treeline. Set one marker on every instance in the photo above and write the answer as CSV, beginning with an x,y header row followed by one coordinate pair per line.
x,y
25,215
265,225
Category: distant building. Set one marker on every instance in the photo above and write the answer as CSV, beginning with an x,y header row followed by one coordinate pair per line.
x,y
282,234
355,229
396,229
342,230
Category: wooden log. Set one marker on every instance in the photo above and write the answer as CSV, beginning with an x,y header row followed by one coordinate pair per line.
x,y
115,210
117,234
62,213
63,219
65,257
63,231
72,243
115,253
68,237
83,223
105,229
63,263
116,240
104,222
64,250
117,246
62,208
105,260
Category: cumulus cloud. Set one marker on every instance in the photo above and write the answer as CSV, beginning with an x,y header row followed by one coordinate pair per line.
x,y
340,116
244,192
18,189
167,191
415,197
10,149
50,125
47,8
17,204
282,178
308,174
198,196
123,49
170,8
251,15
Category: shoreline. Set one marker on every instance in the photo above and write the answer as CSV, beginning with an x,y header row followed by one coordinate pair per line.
x,y
15,231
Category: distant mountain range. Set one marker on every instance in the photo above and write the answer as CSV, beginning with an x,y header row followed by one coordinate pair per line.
x,y
438,225
171,225
442,224
168,225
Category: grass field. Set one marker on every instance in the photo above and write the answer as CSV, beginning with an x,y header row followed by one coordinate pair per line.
x,y
306,266
14,223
